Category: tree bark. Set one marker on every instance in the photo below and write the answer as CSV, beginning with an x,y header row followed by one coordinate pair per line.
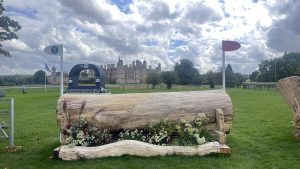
x,y
133,111
138,148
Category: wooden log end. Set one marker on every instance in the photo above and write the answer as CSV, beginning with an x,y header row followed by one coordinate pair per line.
x,y
55,153
225,150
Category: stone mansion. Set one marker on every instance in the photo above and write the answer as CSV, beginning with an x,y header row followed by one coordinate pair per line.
x,y
136,72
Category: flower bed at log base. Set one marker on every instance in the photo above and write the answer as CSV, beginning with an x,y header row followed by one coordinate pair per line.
x,y
138,148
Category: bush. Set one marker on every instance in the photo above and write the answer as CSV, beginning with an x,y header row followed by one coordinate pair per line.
x,y
161,133
84,133
2,93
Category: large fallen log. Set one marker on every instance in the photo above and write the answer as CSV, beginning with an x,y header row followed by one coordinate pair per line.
x,y
132,147
133,111
289,88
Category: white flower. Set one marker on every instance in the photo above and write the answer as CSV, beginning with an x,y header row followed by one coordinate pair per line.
x,y
199,140
69,140
80,135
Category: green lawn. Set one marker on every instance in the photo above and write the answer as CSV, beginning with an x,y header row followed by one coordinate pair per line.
x,y
261,137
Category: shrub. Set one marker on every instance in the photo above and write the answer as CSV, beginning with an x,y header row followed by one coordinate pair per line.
x,y
84,133
2,93
133,135
161,133
194,133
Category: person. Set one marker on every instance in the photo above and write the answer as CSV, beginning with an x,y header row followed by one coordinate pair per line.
x,y
23,89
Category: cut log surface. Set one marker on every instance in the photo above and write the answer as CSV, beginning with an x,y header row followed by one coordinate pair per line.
x,y
132,147
132,111
289,88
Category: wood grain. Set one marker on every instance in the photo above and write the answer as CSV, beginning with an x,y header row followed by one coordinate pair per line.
x,y
132,111
132,147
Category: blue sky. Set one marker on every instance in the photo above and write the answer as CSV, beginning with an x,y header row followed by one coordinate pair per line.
x,y
159,31
123,5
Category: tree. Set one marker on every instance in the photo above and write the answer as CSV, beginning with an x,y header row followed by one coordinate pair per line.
x,y
169,78
2,93
209,79
39,77
197,79
8,29
253,76
278,68
185,71
229,76
153,78
239,79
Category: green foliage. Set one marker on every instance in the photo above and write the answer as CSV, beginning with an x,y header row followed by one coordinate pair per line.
x,y
239,79
182,133
169,78
153,78
170,133
8,29
161,133
39,77
229,76
253,76
2,93
232,79
210,79
84,133
193,133
13,80
133,135
197,79
185,71
278,68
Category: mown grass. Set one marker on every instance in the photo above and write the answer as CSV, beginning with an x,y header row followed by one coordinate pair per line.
x,y
261,136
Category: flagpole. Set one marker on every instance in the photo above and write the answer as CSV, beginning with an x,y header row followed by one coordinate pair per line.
x,y
61,74
223,69
45,79
227,46
56,50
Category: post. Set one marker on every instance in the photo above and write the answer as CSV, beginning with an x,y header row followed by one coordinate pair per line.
x,y
45,80
220,126
11,123
275,72
61,75
223,69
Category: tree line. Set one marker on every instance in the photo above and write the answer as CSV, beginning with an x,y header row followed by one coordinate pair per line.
x,y
186,74
273,70
15,80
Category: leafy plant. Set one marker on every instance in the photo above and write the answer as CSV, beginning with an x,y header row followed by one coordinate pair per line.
x,y
133,135
161,133
84,133
194,133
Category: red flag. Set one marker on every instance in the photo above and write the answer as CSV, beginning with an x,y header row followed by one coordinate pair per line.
x,y
230,45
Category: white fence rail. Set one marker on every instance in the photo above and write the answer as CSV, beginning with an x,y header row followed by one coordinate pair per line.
x,y
3,126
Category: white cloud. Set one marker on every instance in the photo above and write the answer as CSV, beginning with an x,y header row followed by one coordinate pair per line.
x,y
97,31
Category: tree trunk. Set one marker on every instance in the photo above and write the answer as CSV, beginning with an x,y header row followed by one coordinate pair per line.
x,y
133,111
138,148
289,88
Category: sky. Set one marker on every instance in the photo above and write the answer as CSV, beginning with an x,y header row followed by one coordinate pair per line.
x,y
158,31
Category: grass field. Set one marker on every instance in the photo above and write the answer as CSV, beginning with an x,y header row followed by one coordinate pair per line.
x,y
261,136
